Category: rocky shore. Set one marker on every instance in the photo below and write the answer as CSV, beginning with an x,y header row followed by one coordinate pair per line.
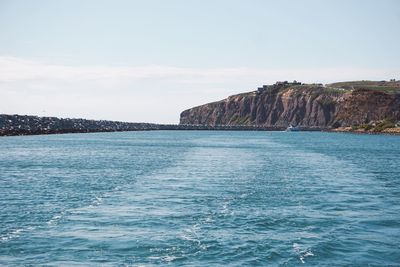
x,y
31,125
357,130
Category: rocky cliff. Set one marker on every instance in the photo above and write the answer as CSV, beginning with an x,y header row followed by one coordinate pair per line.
x,y
308,105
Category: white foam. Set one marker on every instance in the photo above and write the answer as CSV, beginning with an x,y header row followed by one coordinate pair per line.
x,y
13,234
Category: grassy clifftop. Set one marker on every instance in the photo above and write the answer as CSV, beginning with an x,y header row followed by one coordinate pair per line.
x,y
391,87
384,86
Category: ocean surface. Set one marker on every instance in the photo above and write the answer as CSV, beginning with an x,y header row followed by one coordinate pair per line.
x,y
200,198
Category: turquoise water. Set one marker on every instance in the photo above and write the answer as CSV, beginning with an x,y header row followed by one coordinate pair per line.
x,y
200,199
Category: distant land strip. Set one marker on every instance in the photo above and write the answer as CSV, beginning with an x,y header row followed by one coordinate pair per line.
x,y
16,125
11,125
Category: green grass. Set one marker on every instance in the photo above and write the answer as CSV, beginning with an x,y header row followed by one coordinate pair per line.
x,y
316,89
384,125
327,102
379,127
240,120
366,127
383,86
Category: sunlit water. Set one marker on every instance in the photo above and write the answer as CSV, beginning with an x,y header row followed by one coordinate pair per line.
x,y
200,199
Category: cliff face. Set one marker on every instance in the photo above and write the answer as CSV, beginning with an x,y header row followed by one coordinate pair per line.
x,y
303,105
364,106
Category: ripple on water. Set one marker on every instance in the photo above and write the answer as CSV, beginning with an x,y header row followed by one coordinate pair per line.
x,y
199,198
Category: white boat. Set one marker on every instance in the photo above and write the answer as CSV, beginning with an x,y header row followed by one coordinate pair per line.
x,y
292,128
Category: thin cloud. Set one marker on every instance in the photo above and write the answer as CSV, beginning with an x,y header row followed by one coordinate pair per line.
x,y
144,93
17,69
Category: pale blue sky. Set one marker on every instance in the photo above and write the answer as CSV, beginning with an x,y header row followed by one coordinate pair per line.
x,y
186,52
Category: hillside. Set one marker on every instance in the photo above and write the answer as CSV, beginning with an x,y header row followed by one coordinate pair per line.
x,y
333,105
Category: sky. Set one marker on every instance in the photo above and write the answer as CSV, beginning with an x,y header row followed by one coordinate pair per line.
x,y
148,60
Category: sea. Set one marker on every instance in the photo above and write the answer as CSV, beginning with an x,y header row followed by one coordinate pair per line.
x,y
200,198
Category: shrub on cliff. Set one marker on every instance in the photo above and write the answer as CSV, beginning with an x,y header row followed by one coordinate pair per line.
x,y
366,127
384,125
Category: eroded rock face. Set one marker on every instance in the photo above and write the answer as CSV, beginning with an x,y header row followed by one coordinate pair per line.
x,y
300,105
364,106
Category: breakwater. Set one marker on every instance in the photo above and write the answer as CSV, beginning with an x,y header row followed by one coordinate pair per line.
x,y
34,125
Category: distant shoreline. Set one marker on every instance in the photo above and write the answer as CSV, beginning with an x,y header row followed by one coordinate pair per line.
x,y
389,131
22,125
15,125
